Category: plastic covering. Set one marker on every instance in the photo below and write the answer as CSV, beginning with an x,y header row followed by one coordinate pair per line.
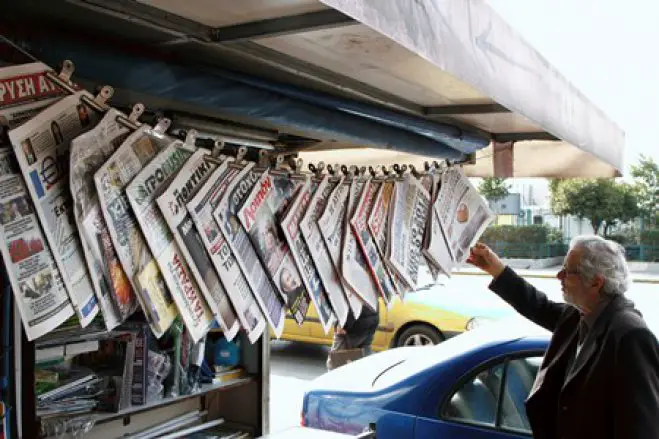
x,y
205,89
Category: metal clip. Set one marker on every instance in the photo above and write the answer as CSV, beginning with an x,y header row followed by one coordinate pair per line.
x,y
279,159
67,71
240,155
218,146
104,96
162,126
138,110
191,138
317,170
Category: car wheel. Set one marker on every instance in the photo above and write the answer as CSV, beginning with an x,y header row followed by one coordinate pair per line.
x,y
419,335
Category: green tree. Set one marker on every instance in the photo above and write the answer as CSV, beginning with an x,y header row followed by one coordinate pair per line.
x,y
646,188
600,201
494,188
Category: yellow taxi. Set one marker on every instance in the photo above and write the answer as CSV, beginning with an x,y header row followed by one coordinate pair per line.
x,y
426,316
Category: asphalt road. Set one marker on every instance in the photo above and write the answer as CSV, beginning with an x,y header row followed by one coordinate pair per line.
x,y
294,365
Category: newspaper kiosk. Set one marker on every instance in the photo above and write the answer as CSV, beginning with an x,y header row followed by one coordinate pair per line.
x,y
345,81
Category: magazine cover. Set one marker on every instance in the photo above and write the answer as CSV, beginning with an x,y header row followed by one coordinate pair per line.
x,y
354,266
332,224
359,224
291,227
410,210
318,250
258,216
88,152
192,175
142,193
136,259
35,279
42,147
201,208
241,246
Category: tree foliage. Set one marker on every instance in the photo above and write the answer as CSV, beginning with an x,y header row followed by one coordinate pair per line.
x,y
646,187
600,201
494,188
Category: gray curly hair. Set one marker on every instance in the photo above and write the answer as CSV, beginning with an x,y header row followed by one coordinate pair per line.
x,y
605,258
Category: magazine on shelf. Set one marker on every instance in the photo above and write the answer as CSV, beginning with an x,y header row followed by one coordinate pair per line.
x,y
88,152
129,242
172,203
201,208
259,215
142,192
226,217
332,225
290,224
42,147
318,250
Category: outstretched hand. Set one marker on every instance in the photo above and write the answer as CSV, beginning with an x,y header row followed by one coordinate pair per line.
x,y
482,257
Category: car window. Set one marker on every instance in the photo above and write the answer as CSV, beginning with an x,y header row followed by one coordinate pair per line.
x,y
477,400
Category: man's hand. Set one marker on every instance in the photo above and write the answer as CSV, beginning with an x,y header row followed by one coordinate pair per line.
x,y
482,257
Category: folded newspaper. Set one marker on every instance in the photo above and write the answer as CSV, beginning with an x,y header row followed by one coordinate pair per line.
x,y
201,208
290,225
88,152
259,216
241,246
332,224
142,193
318,251
192,175
136,259
42,149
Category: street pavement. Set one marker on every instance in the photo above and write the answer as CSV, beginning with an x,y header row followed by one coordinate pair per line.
x,y
294,365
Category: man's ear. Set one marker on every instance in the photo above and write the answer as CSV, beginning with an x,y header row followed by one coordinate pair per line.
x,y
597,282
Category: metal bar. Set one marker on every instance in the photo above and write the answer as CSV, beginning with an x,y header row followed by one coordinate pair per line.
x,y
518,137
275,27
450,110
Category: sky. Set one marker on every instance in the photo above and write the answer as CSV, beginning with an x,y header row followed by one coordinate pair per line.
x,y
607,49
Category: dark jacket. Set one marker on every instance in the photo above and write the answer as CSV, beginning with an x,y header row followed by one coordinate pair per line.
x,y
612,390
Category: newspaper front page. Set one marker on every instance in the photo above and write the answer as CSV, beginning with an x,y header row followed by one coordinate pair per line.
x,y
142,193
378,224
35,279
136,259
429,181
172,204
258,216
331,225
410,210
88,152
291,227
201,208
436,248
359,224
318,250
42,148
239,242
354,266
471,216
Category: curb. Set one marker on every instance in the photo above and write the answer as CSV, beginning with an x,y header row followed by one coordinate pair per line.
x,y
548,276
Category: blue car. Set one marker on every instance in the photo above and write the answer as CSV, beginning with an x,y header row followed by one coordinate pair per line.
x,y
471,386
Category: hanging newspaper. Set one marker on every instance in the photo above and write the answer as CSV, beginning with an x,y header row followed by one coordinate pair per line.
x,y
33,274
359,224
201,208
259,215
142,193
291,227
378,224
171,202
410,210
318,250
136,259
462,213
331,225
430,184
436,248
42,148
88,152
241,246
354,266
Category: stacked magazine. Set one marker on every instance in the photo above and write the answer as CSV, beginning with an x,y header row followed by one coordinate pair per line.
x,y
104,217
